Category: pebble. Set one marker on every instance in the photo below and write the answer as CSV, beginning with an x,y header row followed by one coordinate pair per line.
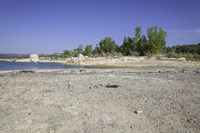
x,y
138,111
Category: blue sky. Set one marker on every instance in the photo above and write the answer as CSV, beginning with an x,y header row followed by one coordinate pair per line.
x,y
49,26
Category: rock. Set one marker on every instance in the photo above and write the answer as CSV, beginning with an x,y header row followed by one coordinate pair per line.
x,y
34,58
73,60
182,59
81,70
86,58
196,71
183,70
81,57
26,71
99,85
152,58
138,111
112,86
14,60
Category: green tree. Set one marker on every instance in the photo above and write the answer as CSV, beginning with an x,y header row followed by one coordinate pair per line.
x,y
156,39
78,50
67,54
138,42
107,45
138,34
123,47
145,47
88,50
127,47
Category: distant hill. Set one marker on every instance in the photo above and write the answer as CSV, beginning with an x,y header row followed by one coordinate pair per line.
x,y
20,56
11,56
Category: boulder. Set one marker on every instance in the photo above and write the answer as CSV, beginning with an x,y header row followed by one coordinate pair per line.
x,y
81,57
72,60
34,58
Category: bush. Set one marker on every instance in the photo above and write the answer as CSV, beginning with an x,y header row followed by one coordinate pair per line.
x,y
173,55
88,50
67,54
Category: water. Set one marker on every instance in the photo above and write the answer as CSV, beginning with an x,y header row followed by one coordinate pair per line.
x,y
4,65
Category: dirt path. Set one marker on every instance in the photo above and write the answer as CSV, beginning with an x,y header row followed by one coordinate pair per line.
x,y
101,100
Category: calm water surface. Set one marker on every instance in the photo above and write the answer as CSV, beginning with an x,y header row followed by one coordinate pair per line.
x,y
4,65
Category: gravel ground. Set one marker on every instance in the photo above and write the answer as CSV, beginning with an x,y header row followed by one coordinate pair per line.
x,y
140,100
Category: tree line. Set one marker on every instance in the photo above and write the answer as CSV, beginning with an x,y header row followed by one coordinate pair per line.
x,y
190,52
139,45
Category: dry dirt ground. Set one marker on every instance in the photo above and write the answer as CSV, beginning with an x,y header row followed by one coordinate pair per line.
x,y
147,100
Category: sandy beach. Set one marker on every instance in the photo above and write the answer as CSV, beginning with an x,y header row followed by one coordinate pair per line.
x,y
148,100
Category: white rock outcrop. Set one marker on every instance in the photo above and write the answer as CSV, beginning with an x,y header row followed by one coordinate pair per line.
x,y
34,58
81,57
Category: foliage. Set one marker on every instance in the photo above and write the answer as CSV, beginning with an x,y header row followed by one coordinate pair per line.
x,y
88,50
140,41
67,54
78,50
139,45
127,47
190,52
106,46
193,49
156,39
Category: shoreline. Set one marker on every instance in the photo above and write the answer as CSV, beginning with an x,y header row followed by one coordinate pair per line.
x,y
121,62
81,70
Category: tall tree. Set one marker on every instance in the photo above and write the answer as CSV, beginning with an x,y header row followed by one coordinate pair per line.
x,y
156,39
107,45
88,50
67,54
127,47
78,50
140,42
138,34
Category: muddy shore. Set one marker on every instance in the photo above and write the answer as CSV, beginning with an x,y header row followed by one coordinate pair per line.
x,y
150,100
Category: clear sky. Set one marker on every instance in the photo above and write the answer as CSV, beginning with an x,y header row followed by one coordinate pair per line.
x,y
49,26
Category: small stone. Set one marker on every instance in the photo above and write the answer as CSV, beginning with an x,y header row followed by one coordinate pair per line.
x,y
138,111
81,70
183,70
112,86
